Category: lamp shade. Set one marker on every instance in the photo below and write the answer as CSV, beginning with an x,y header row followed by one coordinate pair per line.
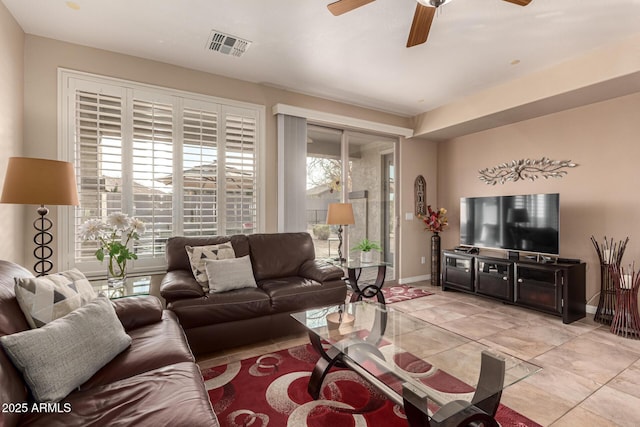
x,y
517,215
31,181
340,214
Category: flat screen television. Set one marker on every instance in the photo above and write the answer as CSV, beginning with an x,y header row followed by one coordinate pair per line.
x,y
527,223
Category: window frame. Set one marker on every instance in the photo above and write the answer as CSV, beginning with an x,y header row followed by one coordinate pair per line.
x,y
66,145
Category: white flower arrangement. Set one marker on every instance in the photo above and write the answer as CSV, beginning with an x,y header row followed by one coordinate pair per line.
x,y
114,235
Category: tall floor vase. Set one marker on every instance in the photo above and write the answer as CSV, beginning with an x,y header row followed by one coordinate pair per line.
x,y
435,259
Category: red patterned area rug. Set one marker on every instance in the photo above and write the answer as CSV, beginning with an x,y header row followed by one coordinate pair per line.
x,y
271,390
402,293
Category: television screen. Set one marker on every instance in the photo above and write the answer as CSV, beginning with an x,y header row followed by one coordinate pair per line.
x,y
529,223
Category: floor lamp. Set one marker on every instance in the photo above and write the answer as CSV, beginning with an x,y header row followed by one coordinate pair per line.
x,y
340,214
31,181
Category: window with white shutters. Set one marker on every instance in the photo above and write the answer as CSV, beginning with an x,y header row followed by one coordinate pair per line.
x,y
152,164
240,174
98,160
183,163
200,172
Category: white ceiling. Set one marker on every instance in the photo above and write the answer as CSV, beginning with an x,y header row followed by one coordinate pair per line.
x,y
359,57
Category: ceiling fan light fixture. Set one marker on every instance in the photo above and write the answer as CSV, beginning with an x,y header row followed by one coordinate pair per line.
x,y
422,17
433,3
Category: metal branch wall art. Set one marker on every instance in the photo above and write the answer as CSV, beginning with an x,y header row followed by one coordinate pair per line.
x,y
525,169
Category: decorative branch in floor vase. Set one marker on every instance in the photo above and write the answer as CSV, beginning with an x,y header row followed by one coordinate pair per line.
x,y
530,169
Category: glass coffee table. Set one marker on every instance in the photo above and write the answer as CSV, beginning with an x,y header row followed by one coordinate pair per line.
x,y
440,378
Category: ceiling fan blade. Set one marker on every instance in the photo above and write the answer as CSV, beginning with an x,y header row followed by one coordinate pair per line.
x,y
343,6
421,25
519,2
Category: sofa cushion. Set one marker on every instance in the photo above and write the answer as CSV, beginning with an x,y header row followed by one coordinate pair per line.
x,y
180,284
229,274
152,346
173,395
279,254
47,298
320,271
297,293
199,254
221,307
177,258
137,311
63,354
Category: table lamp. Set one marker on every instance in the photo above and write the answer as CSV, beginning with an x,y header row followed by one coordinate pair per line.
x,y
31,181
517,216
340,214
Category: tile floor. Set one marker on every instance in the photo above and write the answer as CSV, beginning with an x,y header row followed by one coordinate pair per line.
x,y
590,377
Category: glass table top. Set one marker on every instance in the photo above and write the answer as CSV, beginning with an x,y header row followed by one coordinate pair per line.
x,y
138,285
403,351
356,263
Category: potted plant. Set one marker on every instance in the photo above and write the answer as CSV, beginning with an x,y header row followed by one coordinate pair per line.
x,y
366,247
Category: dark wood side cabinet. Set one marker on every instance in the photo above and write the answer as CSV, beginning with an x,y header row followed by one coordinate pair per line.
x,y
553,288
457,271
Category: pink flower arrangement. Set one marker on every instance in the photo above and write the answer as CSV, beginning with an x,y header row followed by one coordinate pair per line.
x,y
435,221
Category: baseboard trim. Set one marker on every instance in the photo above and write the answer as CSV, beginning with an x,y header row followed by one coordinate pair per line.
x,y
591,309
407,280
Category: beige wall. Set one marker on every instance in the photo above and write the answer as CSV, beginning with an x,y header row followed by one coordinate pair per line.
x,y
12,237
601,74
599,197
417,157
44,56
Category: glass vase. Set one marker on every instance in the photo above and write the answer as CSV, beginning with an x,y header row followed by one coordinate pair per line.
x,y
116,273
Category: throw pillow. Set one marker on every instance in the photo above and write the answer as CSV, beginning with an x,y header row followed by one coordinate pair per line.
x,y
198,254
227,274
46,298
63,354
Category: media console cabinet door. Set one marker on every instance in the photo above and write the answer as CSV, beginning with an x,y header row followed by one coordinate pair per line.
x,y
458,271
539,287
494,278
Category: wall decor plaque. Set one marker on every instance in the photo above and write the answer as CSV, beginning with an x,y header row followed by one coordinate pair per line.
x,y
530,169
420,193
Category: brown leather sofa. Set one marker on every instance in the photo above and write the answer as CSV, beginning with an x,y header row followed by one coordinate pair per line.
x,y
289,279
154,382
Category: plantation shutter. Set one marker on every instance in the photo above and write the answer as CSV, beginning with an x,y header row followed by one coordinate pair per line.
x,y
98,148
200,172
240,164
152,169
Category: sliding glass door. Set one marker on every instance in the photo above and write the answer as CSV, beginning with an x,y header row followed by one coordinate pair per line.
x,y
324,186
357,168
371,192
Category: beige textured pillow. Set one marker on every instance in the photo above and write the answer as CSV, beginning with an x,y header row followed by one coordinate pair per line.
x,y
198,254
46,298
228,274
66,352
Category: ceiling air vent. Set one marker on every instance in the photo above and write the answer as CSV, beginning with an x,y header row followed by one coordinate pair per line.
x,y
227,44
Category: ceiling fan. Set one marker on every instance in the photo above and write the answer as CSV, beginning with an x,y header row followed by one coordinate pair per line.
x,y
422,19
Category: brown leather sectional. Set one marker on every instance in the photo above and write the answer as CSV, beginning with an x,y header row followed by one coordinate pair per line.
x,y
154,382
289,279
